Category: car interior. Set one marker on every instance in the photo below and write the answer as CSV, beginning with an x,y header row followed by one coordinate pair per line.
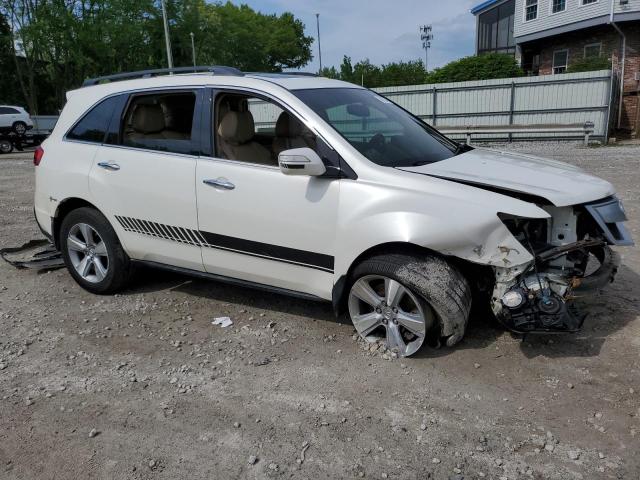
x,y
159,117
253,130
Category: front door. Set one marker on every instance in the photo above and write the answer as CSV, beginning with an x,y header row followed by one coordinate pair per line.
x,y
258,224
143,177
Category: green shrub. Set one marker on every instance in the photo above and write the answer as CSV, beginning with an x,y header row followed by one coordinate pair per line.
x,y
589,64
481,67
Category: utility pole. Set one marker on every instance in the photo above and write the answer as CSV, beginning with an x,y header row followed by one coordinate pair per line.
x,y
319,49
193,48
166,34
426,36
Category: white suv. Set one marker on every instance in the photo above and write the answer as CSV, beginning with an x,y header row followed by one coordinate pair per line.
x,y
321,189
14,119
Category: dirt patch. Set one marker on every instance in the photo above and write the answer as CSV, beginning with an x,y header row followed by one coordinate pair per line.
x,y
142,386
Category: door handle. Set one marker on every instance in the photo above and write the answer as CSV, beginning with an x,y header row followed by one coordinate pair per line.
x,y
219,183
109,166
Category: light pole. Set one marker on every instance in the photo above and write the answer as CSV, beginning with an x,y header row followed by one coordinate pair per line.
x,y
319,49
166,34
193,48
426,36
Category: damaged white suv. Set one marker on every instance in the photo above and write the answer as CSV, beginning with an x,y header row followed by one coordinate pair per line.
x,y
321,189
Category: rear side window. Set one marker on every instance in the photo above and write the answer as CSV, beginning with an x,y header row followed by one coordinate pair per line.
x,y
161,121
8,111
93,126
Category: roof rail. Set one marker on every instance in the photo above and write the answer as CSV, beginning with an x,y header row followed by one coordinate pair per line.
x,y
215,69
300,74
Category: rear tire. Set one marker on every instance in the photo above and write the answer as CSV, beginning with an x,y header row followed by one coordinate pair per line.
x,y
20,128
443,294
92,252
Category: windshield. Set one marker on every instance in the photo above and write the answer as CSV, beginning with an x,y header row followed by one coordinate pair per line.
x,y
379,129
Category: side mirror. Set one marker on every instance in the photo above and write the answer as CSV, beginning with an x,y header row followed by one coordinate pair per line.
x,y
301,161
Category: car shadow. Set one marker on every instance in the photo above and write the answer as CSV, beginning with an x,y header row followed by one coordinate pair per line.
x,y
609,311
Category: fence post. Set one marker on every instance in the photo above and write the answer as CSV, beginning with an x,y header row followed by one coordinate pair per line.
x,y
435,104
512,103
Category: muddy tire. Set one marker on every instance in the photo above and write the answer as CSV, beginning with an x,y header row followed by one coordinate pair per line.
x,y
439,287
92,252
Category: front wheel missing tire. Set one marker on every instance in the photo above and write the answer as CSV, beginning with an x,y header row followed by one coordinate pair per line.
x,y
404,300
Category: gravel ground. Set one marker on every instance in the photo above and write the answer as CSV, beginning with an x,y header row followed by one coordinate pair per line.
x,y
141,385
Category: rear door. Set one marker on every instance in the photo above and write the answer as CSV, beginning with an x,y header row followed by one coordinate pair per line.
x,y
143,176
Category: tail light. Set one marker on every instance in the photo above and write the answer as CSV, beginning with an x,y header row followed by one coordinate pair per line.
x,y
37,156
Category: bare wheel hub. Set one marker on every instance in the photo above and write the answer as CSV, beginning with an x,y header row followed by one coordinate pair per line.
x,y
382,309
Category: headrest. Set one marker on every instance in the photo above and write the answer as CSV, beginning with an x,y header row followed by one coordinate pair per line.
x,y
288,126
237,127
148,119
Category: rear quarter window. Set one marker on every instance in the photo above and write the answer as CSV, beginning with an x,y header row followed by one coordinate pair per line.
x,y
94,125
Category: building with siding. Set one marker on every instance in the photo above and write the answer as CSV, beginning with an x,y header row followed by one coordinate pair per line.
x,y
548,36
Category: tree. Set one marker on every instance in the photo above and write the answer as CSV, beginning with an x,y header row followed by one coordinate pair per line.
x,y
482,67
9,86
64,42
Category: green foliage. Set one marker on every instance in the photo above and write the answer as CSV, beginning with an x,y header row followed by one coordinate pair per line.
x,y
370,75
68,41
482,67
589,64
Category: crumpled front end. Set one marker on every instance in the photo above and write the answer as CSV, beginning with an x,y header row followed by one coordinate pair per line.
x,y
571,257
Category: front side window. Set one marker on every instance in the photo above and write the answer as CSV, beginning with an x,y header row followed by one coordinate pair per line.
x,y
380,130
160,121
255,130
560,60
558,6
93,126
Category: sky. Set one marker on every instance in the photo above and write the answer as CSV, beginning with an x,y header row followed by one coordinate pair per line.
x,y
381,30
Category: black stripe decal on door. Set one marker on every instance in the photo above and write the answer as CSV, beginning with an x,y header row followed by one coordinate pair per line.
x,y
318,261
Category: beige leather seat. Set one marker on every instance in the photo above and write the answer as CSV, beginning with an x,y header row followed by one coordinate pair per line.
x,y
236,132
148,122
290,133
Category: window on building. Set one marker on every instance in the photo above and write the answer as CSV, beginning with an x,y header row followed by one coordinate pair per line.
x,y
592,50
161,121
530,10
560,61
495,29
587,2
558,6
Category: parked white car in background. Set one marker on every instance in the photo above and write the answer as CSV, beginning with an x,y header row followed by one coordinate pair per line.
x,y
322,189
15,119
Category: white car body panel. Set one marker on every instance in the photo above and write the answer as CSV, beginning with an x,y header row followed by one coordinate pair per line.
x,y
558,182
141,190
271,208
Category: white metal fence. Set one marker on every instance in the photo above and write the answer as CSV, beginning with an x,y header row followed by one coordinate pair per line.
x,y
573,98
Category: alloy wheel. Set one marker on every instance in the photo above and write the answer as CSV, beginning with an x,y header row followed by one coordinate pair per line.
x,y
20,128
382,309
88,253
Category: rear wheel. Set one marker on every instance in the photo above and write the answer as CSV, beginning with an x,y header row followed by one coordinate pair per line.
x,y
402,300
20,128
92,253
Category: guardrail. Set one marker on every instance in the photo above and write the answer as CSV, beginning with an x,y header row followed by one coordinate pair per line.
x,y
586,129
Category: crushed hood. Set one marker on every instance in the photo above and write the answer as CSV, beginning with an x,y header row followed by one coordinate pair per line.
x,y
559,183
